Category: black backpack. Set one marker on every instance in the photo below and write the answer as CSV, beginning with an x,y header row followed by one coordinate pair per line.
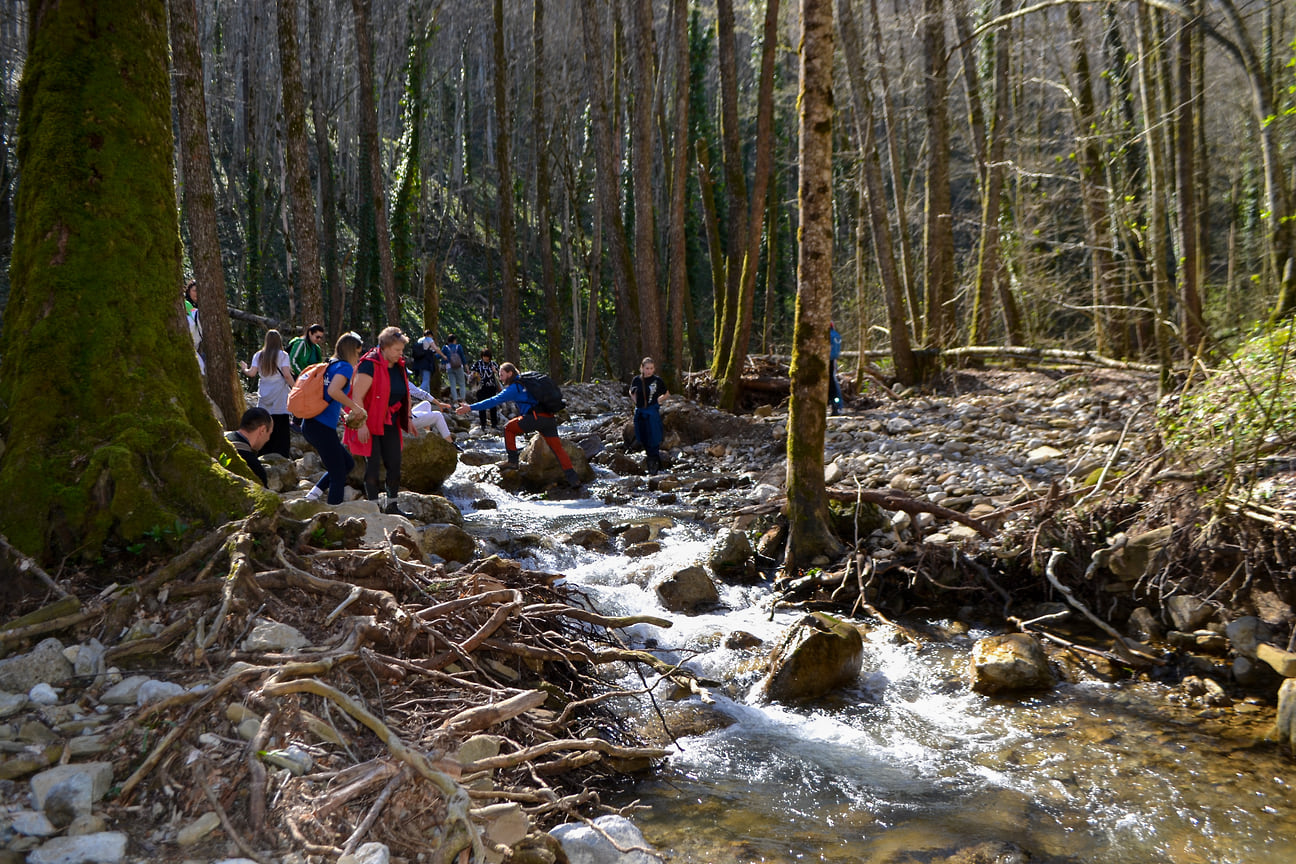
x,y
543,391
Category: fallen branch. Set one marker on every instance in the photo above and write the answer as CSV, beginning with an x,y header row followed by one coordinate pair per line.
x,y
530,754
483,716
891,499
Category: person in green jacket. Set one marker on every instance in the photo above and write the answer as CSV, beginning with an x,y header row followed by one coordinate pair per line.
x,y
307,349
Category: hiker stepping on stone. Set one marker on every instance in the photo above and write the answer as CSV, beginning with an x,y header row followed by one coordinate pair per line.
x,y
537,399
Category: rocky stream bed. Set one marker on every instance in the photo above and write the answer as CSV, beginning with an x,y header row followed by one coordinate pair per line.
x,y
330,683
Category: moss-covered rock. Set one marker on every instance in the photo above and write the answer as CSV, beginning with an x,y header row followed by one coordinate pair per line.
x,y
426,463
815,656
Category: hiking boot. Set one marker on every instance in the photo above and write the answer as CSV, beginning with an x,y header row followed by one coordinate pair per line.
x,y
573,479
392,508
652,464
510,464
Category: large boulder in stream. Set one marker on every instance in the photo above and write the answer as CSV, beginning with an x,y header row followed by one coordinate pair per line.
x,y
430,508
1013,662
447,542
815,656
730,555
426,462
538,467
687,591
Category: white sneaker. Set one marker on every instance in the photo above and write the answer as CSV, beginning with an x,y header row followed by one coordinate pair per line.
x,y
315,494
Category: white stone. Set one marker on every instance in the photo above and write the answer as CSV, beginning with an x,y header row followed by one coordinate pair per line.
x,y
584,845
369,853
33,823
100,774
156,691
898,424
108,847
124,692
42,694
274,636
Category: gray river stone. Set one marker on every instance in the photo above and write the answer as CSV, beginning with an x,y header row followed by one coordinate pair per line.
x,y
108,847
688,591
815,656
44,664
1013,662
584,845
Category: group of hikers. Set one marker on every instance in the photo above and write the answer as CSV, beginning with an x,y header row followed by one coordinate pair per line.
x,y
376,390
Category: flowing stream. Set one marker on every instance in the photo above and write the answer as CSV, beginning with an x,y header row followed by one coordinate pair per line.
x,y
909,765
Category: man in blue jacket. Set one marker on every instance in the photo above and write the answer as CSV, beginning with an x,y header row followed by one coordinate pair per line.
x,y
531,418
834,351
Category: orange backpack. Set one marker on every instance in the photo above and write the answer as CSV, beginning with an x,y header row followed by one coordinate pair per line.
x,y
307,399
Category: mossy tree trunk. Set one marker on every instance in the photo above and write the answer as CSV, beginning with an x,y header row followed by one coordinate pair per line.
x,y
108,433
808,533
200,211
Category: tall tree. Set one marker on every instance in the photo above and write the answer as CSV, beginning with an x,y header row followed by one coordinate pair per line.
x,y
297,166
938,226
645,258
1192,326
677,245
808,532
94,450
200,213
372,177
336,288
735,189
510,322
749,252
544,215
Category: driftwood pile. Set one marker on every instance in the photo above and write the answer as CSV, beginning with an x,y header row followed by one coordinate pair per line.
x,y
360,735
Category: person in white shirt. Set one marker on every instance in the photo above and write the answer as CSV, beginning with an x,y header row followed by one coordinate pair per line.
x,y
272,366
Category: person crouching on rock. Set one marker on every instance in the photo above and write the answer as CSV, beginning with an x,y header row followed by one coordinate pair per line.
x,y
253,433
530,419
321,430
647,389
382,387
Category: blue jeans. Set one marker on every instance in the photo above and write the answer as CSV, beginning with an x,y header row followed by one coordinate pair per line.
x,y
427,379
648,429
458,384
337,461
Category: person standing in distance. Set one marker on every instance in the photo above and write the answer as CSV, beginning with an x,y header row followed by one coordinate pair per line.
x,y
456,368
834,387
647,390
271,366
306,349
486,371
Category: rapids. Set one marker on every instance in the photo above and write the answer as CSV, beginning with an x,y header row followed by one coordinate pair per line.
x,y
909,765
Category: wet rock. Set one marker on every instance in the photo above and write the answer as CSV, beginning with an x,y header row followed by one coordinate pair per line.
x,y
1144,626
683,719
636,534
1013,662
430,508
538,467
477,458
741,640
274,636
485,504
448,542
771,542
1286,722
729,554
426,462
687,591
815,656
108,847
1246,633
1283,662
1187,612
589,538
1252,673
585,845
643,550
44,664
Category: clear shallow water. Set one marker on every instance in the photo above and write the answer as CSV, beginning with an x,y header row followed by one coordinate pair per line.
x,y
909,765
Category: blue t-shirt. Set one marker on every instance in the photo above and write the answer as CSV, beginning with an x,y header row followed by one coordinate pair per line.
x,y
330,415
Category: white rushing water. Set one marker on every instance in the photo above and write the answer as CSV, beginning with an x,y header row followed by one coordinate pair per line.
x,y
908,765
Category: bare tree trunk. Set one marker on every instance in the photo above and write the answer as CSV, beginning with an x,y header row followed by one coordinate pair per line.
x,y
807,504
1151,68
679,190
641,132
735,190
544,218
297,162
938,228
1186,108
606,190
336,287
369,143
510,325
874,193
200,212
750,250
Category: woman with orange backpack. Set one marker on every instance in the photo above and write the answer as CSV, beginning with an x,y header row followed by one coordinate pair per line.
x,y
321,430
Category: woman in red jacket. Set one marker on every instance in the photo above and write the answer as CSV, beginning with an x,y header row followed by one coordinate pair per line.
x,y
381,388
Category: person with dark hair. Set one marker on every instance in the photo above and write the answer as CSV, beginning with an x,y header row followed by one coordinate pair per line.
x,y
382,387
426,351
271,365
306,349
321,430
253,433
532,417
486,373
195,326
456,363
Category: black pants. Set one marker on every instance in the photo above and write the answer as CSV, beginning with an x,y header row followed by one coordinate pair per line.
x,y
386,447
337,461
280,437
485,392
